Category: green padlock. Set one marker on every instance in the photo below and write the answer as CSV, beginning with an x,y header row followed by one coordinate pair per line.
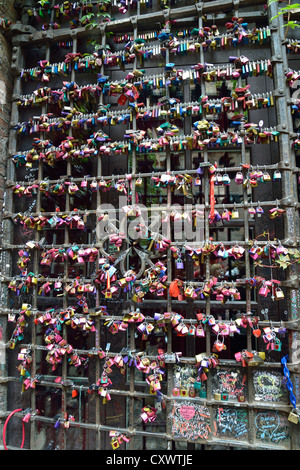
x,y
197,385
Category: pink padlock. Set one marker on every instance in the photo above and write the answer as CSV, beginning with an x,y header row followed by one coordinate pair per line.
x,y
239,178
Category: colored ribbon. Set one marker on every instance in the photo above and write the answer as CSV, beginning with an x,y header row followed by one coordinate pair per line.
x,y
289,384
212,197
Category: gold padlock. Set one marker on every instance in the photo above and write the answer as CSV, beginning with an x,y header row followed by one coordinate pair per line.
x,y
293,417
279,294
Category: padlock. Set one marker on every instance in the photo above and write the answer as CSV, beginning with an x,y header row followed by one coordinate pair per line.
x,y
184,330
203,377
115,443
26,418
251,211
176,392
192,330
253,182
226,179
259,175
179,264
183,392
197,385
235,214
57,285
225,215
218,179
293,417
277,344
200,331
219,346
73,188
256,360
94,185
266,177
264,291
276,175
217,396
279,294
239,178
256,332
246,182
189,291
259,211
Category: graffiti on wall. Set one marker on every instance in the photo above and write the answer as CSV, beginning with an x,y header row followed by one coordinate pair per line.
x,y
268,386
271,427
231,423
230,381
189,420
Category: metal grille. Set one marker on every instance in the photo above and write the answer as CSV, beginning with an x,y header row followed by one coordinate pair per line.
x,y
150,276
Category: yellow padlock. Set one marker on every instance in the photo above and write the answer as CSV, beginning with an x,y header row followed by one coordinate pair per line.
x,y
279,294
293,417
184,391
114,443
